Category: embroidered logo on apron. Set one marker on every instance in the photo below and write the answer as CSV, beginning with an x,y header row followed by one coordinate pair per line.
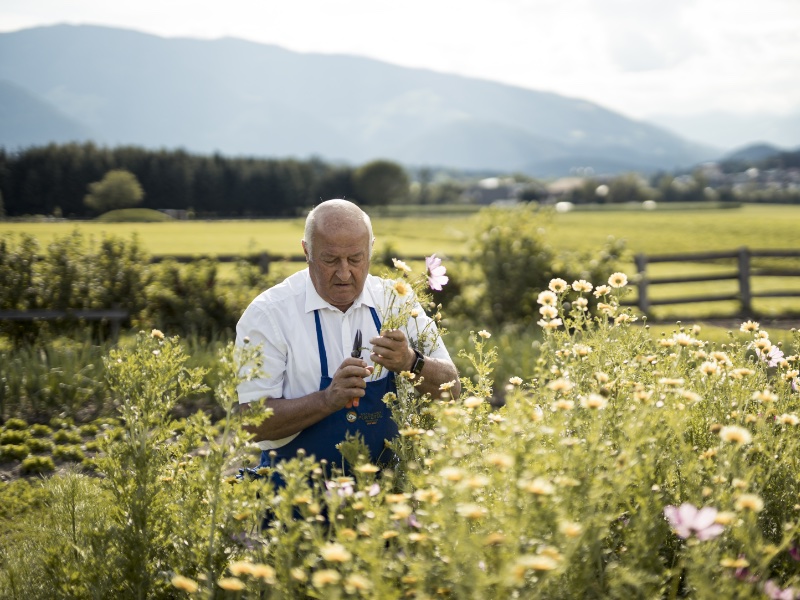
x,y
371,418
351,416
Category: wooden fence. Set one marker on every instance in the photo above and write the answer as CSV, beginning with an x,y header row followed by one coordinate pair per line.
x,y
263,259
744,272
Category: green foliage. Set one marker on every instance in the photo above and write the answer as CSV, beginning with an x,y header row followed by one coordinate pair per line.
x,y
76,274
134,215
116,190
37,465
561,493
40,430
37,180
71,273
68,453
88,430
18,424
66,436
381,182
14,436
515,261
13,452
16,498
186,298
59,422
39,445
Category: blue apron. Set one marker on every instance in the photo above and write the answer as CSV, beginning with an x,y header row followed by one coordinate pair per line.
x,y
372,418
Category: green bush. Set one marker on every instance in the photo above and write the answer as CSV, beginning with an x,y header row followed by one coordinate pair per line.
x,y
68,453
40,430
13,451
39,445
18,497
36,465
62,376
114,434
66,436
88,430
71,273
516,262
19,424
62,422
134,215
14,437
188,299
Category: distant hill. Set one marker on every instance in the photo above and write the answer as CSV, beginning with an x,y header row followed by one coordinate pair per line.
x,y
753,153
730,131
243,98
27,120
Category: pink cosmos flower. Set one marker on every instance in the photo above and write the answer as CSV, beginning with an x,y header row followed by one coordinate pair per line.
x,y
774,357
687,520
773,591
436,272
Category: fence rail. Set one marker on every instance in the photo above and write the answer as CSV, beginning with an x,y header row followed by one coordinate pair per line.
x,y
743,272
263,259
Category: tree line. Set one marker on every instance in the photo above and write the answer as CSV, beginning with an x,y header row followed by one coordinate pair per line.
x,y
55,179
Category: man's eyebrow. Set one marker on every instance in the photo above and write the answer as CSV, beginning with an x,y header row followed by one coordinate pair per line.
x,y
331,256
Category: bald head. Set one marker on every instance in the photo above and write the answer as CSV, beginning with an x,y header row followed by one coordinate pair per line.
x,y
338,246
334,215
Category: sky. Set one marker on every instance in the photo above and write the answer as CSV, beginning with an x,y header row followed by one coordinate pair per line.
x,y
643,58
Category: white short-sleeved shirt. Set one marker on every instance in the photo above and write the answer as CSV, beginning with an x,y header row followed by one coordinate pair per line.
x,y
281,320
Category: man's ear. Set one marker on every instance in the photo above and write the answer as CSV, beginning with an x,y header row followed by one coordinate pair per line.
x,y
305,251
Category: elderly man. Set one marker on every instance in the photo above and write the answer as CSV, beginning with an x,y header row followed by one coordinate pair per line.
x,y
306,327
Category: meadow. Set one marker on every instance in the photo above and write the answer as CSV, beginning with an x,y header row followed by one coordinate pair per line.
x,y
667,231
626,466
587,456
651,232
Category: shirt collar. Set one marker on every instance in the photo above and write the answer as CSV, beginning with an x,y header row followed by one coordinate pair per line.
x,y
314,301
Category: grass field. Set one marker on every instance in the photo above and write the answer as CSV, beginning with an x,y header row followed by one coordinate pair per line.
x,y
649,232
756,226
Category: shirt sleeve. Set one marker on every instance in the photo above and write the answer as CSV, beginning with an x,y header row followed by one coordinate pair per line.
x,y
257,326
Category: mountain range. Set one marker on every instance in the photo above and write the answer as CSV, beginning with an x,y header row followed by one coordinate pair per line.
x,y
115,86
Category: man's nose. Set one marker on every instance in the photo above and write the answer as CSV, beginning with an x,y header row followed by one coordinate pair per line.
x,y
343,271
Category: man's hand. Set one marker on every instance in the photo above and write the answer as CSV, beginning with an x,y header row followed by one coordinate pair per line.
x,y
348,383
391,349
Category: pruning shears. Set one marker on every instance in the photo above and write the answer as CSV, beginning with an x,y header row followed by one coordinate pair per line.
x,y
356,353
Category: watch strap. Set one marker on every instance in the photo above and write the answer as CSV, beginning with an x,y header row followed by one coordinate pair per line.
x,y
419,362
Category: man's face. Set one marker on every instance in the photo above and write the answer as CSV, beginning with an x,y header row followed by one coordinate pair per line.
x,y
340,262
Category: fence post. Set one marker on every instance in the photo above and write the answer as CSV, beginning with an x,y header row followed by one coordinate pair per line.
x,y
641,267
263,262
744,281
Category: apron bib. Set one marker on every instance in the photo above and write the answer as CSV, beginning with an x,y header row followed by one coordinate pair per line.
x,y
372,418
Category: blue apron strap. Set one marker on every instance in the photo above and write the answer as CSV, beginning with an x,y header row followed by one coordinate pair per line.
x,y
376,319
323,358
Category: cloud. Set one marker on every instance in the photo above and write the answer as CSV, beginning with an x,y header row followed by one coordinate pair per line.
x,y
636,56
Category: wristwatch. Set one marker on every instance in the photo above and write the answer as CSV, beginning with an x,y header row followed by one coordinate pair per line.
x,y
419,362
